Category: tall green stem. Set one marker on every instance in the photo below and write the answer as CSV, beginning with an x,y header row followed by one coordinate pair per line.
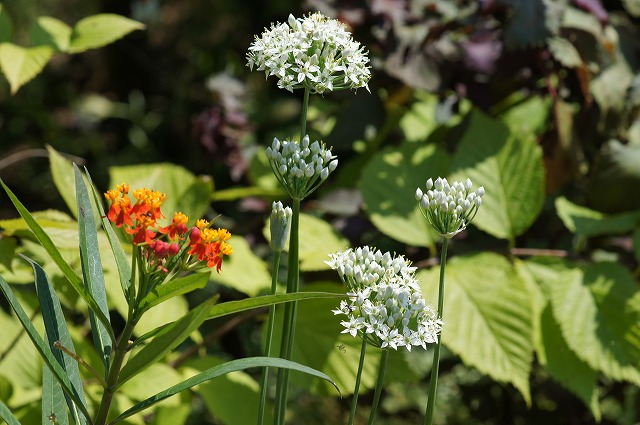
x,y
303,117
356,390
290,311
376,395
433,383
267,348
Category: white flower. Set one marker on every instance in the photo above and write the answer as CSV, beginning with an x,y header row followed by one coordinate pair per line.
x,y
300,167
315,52
449,208
385,304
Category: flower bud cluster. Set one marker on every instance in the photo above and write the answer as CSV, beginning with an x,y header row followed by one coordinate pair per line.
x,y
279,224
449,208
300,167
313,52
386,306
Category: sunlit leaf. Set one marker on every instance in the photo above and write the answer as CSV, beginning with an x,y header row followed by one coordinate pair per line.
x,y
21,64
587,222
100,30
174,288
48,31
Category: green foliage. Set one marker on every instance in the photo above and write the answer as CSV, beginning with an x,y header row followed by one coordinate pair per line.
x,y
20,64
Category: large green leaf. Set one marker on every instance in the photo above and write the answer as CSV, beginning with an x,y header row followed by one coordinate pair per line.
x,y
588,222
92,270
162,344
598,310
50,32
65,268
100,30
7,416
388,184
510,170
488,316
214,372
21,64
57,331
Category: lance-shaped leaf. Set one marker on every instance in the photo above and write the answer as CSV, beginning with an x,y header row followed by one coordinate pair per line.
x,y
43,349
232,366
21,64
54,407
92,270
100,30
7,416
66,269
174,288
598,310
57,331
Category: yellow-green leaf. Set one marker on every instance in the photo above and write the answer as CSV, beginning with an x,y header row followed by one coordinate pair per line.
x,y
52,32
100,30
21,64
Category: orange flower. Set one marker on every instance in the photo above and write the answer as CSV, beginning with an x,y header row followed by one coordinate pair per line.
x,y
120,209
178,226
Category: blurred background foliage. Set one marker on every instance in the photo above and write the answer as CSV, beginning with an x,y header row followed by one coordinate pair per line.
x,y
536,99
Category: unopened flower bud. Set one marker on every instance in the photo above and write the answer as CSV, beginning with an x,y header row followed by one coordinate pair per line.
x,y
279,224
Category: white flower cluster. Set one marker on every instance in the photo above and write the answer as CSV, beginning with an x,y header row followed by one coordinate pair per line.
x,y
315,52
300,167
279,225
386,305
449,208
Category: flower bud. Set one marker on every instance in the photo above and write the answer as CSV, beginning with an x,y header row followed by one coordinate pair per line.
x,y
279,225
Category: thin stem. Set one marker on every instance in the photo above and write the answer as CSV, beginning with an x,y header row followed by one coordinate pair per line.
x,y
433,383
290,312
376,395
80,361
356,390
303,117
267,348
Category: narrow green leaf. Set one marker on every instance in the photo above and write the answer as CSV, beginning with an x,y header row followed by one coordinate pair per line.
x,y
598,310
21,64
388,185
488,316
7,416
48,31
56,330
510,170
214,372
54,407
162,344
588,222
6,26
174,288
51,249
43,349
100,30
122,260
92,270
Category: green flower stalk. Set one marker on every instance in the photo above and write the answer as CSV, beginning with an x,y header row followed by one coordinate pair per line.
x,y
449,209
386,308
279,225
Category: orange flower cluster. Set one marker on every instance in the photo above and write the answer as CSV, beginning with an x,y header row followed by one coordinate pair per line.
x,y
140,221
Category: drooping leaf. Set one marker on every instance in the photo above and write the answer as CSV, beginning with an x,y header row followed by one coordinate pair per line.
x,y
43,349
162,344
57,331
388,185
92,269
509,168
587,222
598,310
7,416
21,64
174,288
99,30
65,268
6,26
48,31
54,407
488,316
232,366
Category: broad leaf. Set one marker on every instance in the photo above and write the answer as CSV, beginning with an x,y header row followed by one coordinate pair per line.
x,y
21,64
488,316
99,30
232,366
43,349
598,310
7,416
162,344
57,331
48,245
48,31
587,222
388,185
54,408
174,288
510,170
